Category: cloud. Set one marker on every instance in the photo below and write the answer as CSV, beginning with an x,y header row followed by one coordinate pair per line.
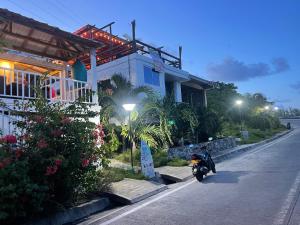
x,y
296,86
234,70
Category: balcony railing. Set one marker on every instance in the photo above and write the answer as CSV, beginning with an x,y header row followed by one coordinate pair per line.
x,y
18,84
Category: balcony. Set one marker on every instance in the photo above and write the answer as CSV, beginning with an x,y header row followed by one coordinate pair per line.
x,y
18,84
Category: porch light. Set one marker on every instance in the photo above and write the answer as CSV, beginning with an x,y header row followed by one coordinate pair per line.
x,y
129,107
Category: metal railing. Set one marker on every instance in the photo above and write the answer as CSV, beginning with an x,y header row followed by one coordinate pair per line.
x,y
18,84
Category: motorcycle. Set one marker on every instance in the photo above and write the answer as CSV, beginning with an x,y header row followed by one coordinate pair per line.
x,y
202,164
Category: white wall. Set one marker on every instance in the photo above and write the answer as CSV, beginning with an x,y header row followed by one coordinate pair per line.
x,y
132,68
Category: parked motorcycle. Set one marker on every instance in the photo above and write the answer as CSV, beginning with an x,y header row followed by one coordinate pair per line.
x,y
202,164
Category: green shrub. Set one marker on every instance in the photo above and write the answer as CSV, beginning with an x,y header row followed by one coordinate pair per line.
x,y
177,162
160,158
52,163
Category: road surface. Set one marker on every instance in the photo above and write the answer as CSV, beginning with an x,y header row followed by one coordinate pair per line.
x,y
258,187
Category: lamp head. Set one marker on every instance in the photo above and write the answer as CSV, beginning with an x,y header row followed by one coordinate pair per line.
x,y
128,107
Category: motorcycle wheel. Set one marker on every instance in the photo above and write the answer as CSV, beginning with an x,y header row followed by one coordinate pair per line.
x,y
199,177
214,169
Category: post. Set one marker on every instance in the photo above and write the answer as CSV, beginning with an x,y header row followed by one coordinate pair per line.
x,y
205,98
241,125
180,55
177,91
130,141
93,74
133,35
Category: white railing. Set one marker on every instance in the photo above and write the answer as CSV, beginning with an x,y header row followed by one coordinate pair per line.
x,y
7,121
24,85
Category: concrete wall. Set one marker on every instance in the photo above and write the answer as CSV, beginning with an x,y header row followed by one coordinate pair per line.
x,y
132,68
186,152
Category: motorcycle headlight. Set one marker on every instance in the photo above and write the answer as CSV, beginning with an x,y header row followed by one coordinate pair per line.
x,y
195,170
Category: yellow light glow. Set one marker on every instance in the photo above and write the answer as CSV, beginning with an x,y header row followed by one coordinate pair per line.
x,y
5,65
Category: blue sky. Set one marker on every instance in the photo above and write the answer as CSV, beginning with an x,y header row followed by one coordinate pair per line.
x,y
253,43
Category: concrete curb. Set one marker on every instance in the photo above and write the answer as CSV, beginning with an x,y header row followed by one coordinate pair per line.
x,y
75,213
234,153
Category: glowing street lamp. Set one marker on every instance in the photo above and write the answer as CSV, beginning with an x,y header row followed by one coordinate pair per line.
x,y
276,108
267,107
129,107
239,103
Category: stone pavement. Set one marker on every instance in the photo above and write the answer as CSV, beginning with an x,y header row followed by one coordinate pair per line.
x,y
176,174
130,191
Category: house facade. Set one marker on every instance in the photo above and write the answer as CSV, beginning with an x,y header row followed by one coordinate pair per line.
x,y
66,66
143,64
35,55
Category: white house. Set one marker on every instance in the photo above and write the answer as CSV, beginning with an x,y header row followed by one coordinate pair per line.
x,y
143,64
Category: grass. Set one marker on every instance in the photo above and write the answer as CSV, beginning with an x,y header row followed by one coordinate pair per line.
x,y
160,158
177,162
117,174
256,135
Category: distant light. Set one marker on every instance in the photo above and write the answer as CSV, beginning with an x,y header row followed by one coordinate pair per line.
x,y
267,107
238,102
276,108
128,107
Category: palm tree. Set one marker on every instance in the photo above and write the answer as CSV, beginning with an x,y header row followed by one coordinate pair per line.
x,y
116,92
112,96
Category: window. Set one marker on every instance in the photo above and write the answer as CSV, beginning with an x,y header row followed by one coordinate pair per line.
x,y
150,76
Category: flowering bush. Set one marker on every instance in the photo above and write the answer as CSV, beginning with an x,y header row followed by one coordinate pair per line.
x,y
52,162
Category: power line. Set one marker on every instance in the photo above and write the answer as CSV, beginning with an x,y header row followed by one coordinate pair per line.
x,y
81,19
66,9
50,14
24,9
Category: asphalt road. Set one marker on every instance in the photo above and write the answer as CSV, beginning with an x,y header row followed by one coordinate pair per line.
x,y
258,187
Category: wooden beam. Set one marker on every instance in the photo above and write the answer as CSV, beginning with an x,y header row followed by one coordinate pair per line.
x,y
40,53
26,41
37,41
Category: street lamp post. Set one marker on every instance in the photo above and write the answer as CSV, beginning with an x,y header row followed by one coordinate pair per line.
x,y
239,104
129,108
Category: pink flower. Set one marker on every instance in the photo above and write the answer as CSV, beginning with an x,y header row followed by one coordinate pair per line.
x,y
38,119
19,153
25,137
10,139
51,170
85,162
57,133
42,144
109,91
65,120
58,162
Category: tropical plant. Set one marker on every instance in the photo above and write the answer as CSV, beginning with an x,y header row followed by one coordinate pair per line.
x,y
51,161
114,93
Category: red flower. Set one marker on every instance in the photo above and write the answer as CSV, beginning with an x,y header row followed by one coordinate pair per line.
x,y
19,153
6,162
42,144
25,137
51,170
58,162
2,165
38,119
65,120
85,162
57,133
10,139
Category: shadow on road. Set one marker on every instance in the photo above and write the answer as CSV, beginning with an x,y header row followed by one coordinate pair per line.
x,y
224,177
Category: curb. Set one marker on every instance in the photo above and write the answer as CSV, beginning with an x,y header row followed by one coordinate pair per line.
x,y
75,213
234,153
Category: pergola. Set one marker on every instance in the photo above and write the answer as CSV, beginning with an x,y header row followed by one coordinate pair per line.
x,y
28,35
